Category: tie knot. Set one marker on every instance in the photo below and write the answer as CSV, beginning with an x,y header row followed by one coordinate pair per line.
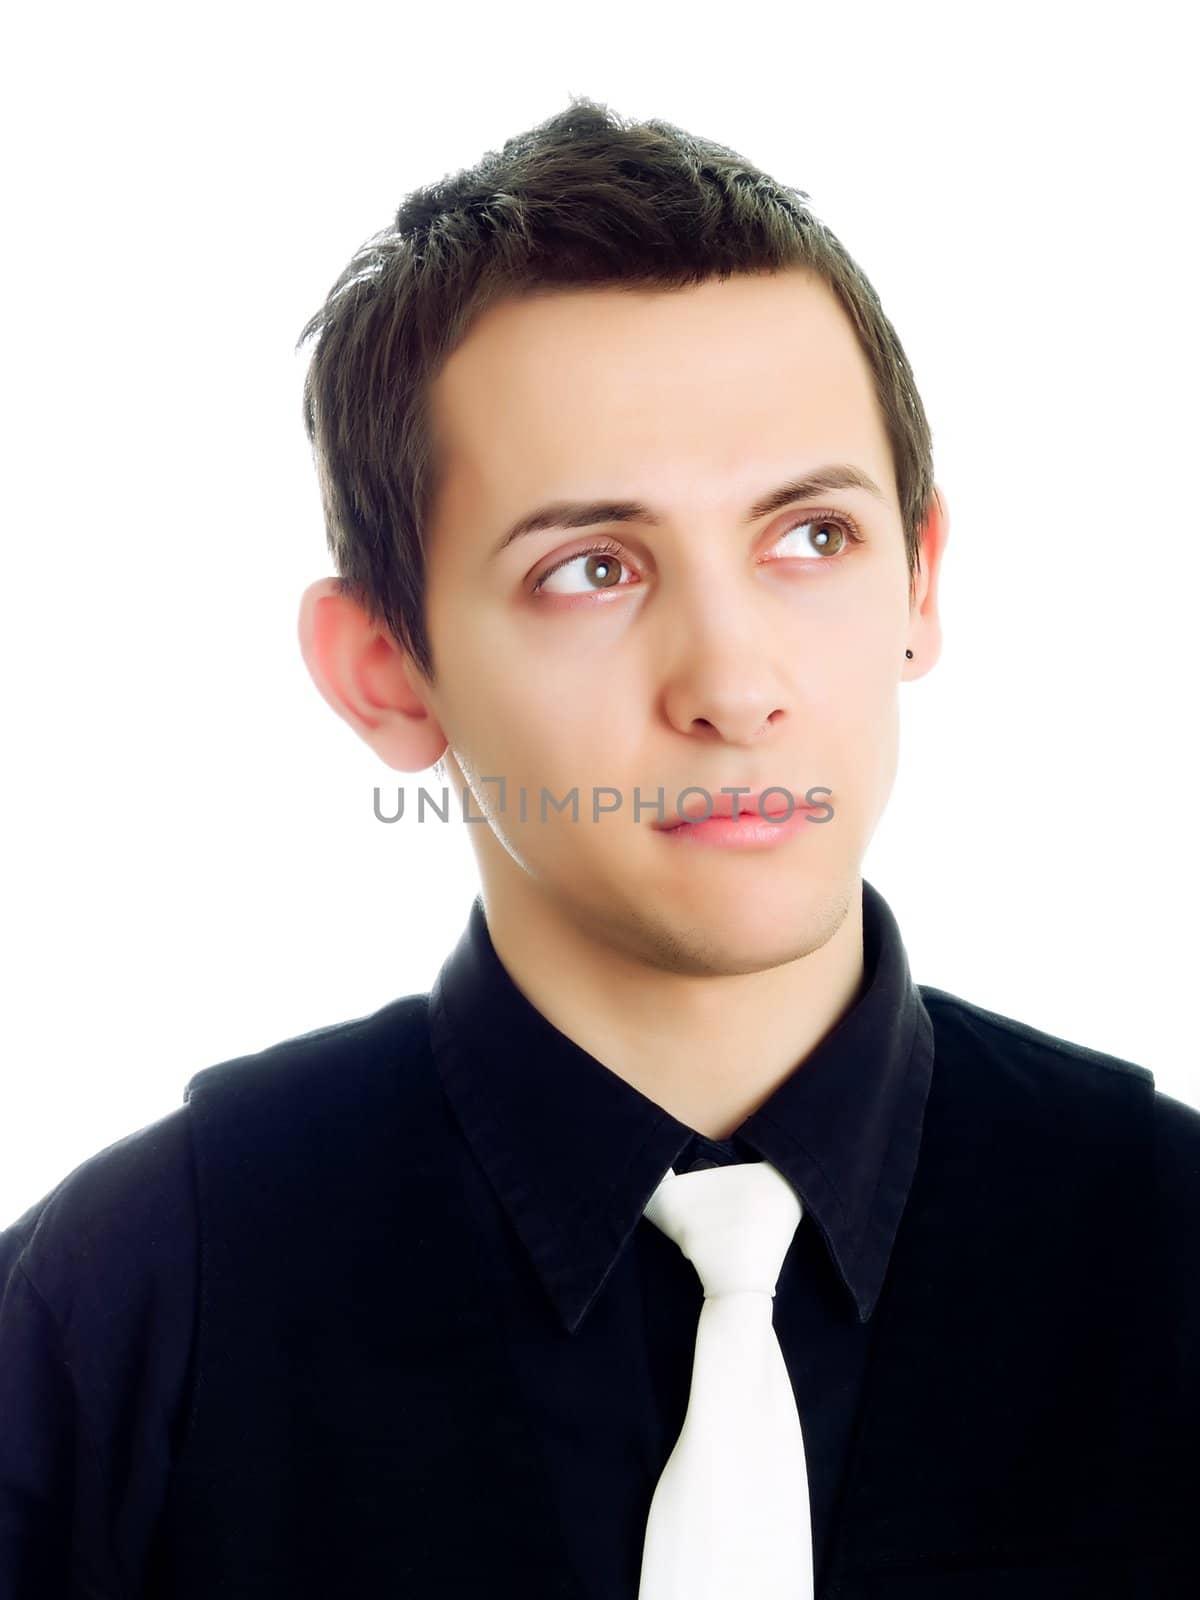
x,y
733,1223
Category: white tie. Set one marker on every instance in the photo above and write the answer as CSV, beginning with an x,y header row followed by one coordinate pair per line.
x,y
730,1515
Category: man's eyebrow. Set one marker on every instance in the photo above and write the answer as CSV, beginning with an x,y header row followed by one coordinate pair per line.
x,y
585,513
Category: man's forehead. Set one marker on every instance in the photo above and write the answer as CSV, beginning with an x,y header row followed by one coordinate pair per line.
x,y
582,393
616,324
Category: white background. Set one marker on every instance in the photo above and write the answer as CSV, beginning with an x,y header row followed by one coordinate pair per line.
x,y
192,866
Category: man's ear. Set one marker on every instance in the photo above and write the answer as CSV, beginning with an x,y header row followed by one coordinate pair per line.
x,y
924,636
369,679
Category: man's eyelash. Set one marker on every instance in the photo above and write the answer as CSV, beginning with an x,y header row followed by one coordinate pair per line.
x,y
608,547
848,526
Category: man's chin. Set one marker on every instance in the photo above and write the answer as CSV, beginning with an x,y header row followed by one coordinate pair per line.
x,y
714,927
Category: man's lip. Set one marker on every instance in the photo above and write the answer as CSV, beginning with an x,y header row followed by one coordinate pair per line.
x,y
747,804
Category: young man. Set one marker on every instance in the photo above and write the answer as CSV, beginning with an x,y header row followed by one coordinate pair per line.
x,y
676,1243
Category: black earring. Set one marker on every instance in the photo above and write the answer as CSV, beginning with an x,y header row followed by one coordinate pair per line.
x,y
908,653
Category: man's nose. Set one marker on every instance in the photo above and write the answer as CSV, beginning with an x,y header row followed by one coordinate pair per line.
x,y
722,678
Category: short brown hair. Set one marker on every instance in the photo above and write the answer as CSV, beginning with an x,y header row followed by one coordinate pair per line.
x,y
584,199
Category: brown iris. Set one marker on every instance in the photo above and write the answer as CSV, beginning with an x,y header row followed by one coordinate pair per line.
x,y
603,569
822,535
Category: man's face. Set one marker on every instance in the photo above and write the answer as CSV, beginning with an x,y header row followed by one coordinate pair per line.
x,y
710,651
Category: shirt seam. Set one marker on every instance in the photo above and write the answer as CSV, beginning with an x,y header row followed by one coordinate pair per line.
x,y
197,1364
84,1418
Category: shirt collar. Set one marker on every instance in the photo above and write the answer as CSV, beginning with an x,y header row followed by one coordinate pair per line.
x,y
574,1152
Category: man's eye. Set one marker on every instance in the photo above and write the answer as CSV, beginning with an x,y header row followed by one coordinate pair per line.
x,y
601,570
824,535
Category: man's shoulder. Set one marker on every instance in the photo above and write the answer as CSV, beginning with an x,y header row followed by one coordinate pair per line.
x,y
123,1216
960,1023
131,1206
384,1036
961,1026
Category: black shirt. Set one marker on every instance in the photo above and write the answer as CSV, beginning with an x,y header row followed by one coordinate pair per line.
x,y
560,1135
100,1277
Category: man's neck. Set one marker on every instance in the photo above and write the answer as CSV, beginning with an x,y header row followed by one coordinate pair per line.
x,y
709,1049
